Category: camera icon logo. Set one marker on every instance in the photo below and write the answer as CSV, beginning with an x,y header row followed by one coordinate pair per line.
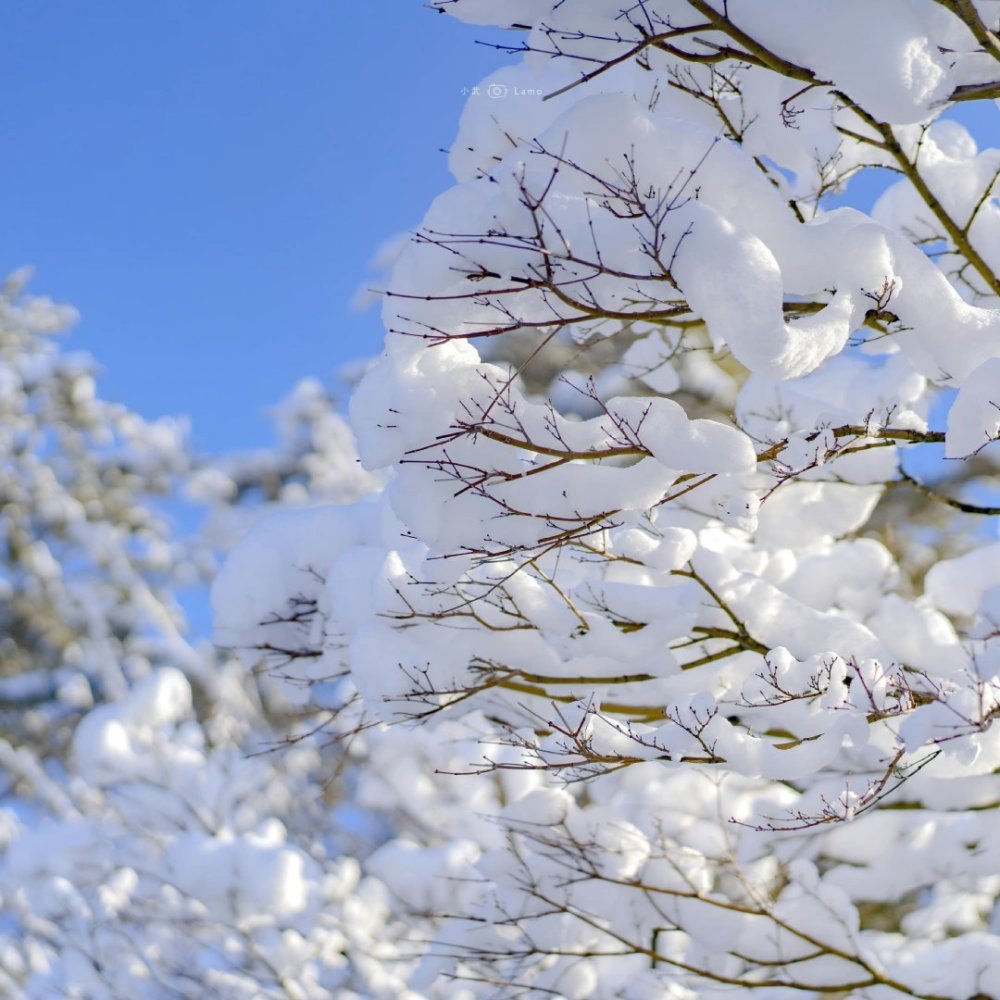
x,y
496,90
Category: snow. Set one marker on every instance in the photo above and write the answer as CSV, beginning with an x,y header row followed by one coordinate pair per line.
x,y
974,418
607,673
957,585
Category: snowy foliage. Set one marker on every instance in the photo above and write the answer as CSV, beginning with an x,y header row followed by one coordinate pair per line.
x,y
171,864
313,460
148,849
88,564
721,622
655,650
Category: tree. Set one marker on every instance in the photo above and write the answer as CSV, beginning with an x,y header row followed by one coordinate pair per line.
x,y
721,620
148,847
89,565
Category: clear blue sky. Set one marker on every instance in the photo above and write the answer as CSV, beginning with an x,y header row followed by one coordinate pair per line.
x,y
206,180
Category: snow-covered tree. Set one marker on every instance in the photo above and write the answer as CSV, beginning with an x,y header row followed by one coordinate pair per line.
x,y
668,555
88,566
148,847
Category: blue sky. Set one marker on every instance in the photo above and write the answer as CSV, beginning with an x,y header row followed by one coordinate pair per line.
x,y
207,181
